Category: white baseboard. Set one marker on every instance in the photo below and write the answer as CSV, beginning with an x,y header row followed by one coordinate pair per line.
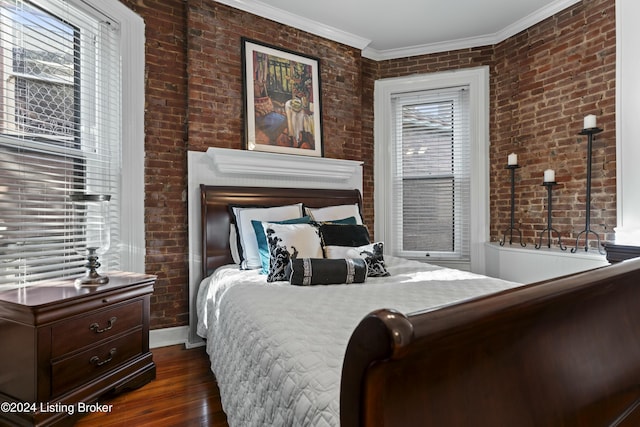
x,y
168,336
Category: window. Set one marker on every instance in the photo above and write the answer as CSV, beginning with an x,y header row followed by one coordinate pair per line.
x,y
61,133
432,173
431,180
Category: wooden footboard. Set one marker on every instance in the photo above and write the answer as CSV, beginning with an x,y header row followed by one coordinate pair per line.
x,y
564,352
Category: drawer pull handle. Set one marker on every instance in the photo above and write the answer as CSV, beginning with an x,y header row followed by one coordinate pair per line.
x,y
95,360
95,327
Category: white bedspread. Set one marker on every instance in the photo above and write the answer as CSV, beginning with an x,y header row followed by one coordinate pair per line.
x,y
277,350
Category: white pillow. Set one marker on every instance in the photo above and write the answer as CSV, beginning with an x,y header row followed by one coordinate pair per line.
x,y
332,213
246,234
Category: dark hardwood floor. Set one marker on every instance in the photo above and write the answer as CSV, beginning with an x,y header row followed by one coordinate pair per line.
x,y
183,394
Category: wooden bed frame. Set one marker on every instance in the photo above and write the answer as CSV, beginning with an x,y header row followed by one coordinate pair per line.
x,y
564,352
217,219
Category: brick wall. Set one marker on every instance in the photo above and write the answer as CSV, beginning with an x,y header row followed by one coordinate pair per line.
x,y
543,81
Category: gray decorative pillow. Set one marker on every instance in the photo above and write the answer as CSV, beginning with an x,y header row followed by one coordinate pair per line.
x,y
322,271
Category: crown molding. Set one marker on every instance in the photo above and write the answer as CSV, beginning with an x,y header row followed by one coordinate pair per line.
x,y
471,42
287,18
426,49
533,18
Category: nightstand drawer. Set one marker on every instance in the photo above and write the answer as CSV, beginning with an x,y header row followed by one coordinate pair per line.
x,y
77,333
69,372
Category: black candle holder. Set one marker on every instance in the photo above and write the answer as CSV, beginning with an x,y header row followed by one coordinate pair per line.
x,y
549,229
512,227
587,227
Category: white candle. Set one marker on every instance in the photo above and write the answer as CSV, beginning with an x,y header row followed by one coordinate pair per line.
x,y
513,159
549,175
590,121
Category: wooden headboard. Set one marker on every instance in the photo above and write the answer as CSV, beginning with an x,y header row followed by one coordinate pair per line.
x,y
217,218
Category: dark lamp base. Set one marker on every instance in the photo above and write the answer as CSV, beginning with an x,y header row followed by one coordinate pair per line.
x,y
92,278
91,281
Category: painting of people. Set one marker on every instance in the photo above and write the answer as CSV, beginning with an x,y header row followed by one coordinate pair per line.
x,y
282,101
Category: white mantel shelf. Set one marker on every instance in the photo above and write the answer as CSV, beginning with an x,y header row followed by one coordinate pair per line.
x,y
245,163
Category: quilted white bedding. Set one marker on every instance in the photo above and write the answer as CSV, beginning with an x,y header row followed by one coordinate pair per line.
x,y
277,350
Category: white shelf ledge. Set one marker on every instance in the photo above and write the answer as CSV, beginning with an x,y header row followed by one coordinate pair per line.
x,y
244,163
528,265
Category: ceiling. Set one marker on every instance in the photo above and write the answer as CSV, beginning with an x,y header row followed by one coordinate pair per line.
x,y
386,29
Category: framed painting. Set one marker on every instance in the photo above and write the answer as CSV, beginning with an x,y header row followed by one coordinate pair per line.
x,y
282,108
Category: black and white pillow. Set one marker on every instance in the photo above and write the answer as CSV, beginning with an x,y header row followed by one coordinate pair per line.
x,y
261,238
322,271
373,254
288,241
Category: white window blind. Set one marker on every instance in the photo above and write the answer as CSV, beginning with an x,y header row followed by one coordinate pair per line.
x,y
431,182
60,134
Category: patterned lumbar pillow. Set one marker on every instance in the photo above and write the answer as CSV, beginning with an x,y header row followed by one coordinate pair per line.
x,y
322,271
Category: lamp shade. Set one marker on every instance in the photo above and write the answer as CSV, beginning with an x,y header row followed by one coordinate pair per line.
x,y
91,215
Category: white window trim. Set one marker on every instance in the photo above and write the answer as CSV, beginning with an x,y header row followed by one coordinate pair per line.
x,y
478,81
627,133
445,95
132,42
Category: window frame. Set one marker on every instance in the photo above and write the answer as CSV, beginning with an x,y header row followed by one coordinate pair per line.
x,y
477,80
455,98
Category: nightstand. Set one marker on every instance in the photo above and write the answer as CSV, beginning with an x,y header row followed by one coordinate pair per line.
x,y
64,347
617,253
